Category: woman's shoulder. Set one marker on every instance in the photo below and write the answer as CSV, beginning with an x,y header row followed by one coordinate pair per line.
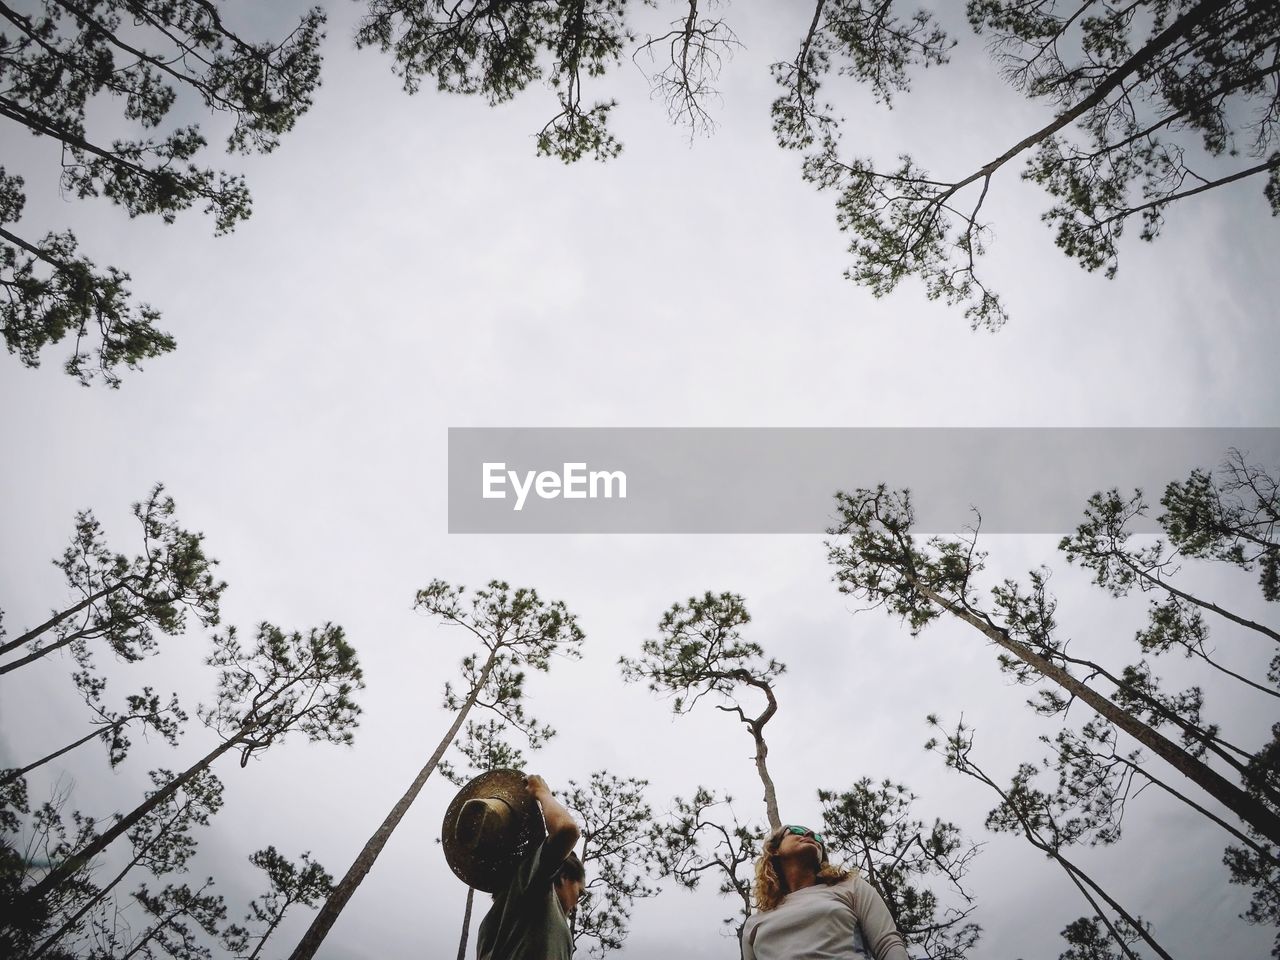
x,y
859,893
850,888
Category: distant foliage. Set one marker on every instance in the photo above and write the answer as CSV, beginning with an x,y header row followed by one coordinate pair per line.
x,y
616,824
906,860
701,838
306,883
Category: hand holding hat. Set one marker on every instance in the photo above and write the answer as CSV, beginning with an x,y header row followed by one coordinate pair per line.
x,y
490,825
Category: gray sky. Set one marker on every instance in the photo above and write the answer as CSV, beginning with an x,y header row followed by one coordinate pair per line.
x,y
412,266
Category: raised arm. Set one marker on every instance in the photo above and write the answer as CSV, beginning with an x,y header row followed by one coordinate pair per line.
x,y
562,829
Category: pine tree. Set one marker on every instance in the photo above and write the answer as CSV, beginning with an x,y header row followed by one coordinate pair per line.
x,y
618,855
123,602
701,652
288,683
516,630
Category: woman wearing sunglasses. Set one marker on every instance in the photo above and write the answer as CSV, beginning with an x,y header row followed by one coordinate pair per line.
x,y
807,908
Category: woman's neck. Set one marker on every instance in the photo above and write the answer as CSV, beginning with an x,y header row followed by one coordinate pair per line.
x,y
799,876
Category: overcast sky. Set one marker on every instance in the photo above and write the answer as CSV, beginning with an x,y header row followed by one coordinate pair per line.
x,y
412,266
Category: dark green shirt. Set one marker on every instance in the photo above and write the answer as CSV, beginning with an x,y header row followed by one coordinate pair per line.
x,y
526,921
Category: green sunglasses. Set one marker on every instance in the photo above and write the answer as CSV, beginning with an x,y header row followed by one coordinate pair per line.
x,y
805,831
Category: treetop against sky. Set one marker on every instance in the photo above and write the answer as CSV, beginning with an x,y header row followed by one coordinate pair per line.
x,y
1146,105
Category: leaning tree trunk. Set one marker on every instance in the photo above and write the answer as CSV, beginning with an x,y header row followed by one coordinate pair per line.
x,y
97,898
346,887
1247,808
1083,882
762,753
56,619
266,934
1141,59
466,924
756,726
13,775
1244,838
81,858
1154,581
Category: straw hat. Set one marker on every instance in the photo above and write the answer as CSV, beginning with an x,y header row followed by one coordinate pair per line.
x,y
489,827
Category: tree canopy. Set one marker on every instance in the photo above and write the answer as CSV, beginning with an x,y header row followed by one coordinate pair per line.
x,y
1148,103
156,64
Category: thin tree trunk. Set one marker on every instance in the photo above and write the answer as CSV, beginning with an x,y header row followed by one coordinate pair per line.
x,y
1269,691
333,906
1078,876
145,940
466,924
262,941
96,899
166,921
15,774
1080,879
45,651
1244,806
1208,814
151,934
1101,914
78,860
1217,745
57,618
1204,604
756,726
1175,31
770,795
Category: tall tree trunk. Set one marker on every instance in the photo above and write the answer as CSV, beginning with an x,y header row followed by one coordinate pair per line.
x,y
333,906
1247,808
78,860
466,924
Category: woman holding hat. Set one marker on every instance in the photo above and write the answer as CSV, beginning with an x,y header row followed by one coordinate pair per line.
x,y
808,908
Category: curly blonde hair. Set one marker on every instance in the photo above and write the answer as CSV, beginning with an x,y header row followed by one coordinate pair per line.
x,y
771,886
